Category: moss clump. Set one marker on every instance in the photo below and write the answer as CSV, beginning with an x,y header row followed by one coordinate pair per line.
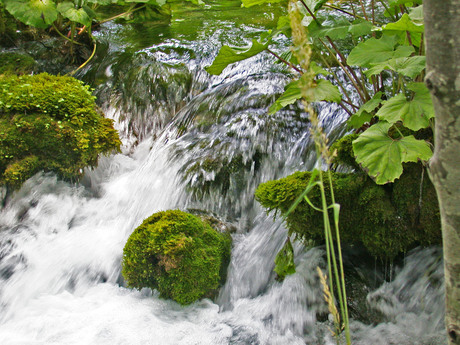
x,y
50,123
178,254
14,63
380,217
343,149
304,221
415,199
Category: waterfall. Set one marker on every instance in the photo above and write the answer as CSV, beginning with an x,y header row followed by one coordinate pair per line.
x,y
190,141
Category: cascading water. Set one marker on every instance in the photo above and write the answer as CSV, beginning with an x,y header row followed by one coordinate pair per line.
x,y
191,141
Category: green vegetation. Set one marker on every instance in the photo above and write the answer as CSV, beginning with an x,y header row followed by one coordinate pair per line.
x,y
50,123
379,49
178,254
387,220
15,63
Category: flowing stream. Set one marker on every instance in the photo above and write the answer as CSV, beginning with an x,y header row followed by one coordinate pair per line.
x,y
191,141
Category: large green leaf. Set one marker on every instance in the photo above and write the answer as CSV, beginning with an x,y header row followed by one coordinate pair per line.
x,y
339,28
416,15
67,10
415,114
323,90
360,27
406,26
228,55
317,69
403,2
37,13
382,156
408,66
378,50
365,113
292,93
335,29
394,6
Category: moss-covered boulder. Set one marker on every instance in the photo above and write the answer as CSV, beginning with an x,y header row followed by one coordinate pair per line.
x,y
387,220
50,123
178,254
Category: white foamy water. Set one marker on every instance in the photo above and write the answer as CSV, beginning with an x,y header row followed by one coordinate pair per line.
x,y
61,250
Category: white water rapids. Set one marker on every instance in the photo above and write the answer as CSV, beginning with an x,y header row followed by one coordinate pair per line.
x,y
61,249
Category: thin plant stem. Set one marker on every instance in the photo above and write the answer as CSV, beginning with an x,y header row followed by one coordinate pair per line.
x,y
87,61
343,11
363,9
342,272
373,11
344,90
310,12
350,77
393,17
351,73
65,37
284,61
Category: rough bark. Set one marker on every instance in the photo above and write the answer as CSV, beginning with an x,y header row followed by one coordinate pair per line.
x,y
442,30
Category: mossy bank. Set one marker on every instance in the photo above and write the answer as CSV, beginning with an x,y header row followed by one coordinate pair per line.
x,y
50,123
387,220
178,254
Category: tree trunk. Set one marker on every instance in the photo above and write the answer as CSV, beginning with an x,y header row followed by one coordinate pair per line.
x,y
442,30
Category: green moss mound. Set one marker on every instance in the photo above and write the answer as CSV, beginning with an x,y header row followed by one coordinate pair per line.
x,y
387,220
342,151
50,123
178,254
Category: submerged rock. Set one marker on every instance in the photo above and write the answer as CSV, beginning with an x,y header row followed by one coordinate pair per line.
x,y
178,254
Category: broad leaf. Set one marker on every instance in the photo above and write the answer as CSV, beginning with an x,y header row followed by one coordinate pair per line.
x,y
292,93
403,2
336,29
319,4
360,27
365,113
67,10
37,13
317,69
403,26
382,156
284,261
228,55
340,28
408,66
377,50
395,8
324,90
416,15
415,114
284,25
